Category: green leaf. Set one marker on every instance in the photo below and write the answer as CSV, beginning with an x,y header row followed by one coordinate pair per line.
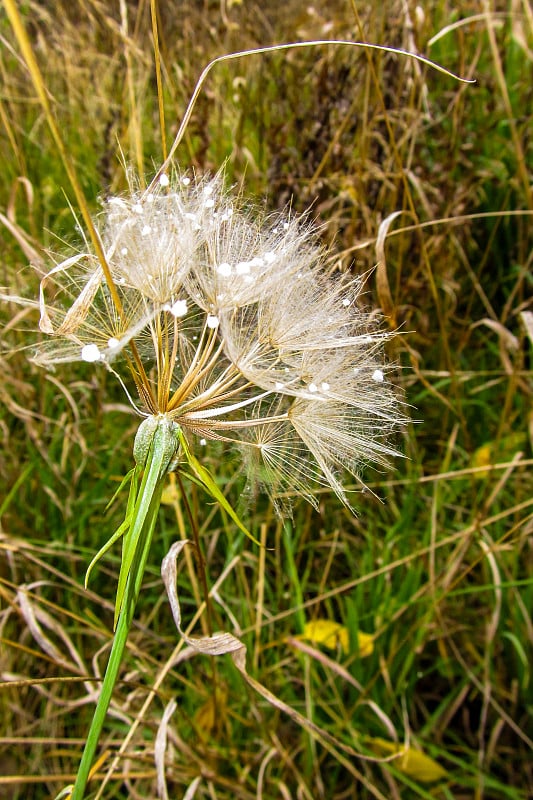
x,y
124,526
128,477
206,480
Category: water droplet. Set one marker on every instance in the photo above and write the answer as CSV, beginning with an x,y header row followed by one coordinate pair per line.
x,y
90,353
178,309
224,269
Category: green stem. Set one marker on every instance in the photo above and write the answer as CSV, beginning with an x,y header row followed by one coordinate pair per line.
x,y
119,643
139,537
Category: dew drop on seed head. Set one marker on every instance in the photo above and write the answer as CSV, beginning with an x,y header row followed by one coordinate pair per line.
x,y
90,353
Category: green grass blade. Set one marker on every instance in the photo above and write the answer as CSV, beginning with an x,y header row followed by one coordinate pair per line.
x,y
206,480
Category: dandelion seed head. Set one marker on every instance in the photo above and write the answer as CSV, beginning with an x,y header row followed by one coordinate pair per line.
x,y
230,326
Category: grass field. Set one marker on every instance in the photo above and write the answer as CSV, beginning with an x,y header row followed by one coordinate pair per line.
x,y
428,675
